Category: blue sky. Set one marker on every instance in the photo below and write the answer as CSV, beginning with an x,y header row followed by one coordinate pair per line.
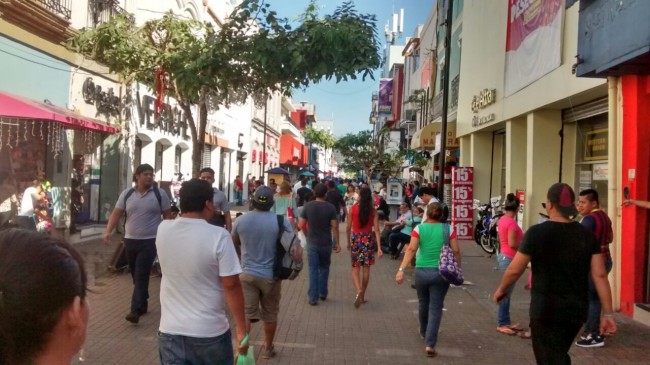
x,y
348,103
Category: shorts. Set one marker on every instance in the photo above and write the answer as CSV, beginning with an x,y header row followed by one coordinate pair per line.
x,y
363,249
261,298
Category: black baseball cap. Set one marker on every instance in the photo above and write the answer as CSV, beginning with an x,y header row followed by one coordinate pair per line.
x,y
563,197
263,197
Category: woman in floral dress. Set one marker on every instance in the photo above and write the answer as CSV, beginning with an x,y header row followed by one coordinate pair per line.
x,y
363,237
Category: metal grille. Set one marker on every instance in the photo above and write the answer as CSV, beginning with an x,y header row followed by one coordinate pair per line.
x,y
61,7
101,11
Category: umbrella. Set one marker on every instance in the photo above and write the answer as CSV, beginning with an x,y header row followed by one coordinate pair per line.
x,y
278,170
307,173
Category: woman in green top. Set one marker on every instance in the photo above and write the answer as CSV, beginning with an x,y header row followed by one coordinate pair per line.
x,y
285,203
431,287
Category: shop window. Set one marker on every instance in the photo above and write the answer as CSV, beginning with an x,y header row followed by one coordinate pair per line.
x,y
592,156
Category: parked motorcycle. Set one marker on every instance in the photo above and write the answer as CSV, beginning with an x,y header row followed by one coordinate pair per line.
x,y
485,231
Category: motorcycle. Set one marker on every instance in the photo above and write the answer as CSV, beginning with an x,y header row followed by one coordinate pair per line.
x,y
485,231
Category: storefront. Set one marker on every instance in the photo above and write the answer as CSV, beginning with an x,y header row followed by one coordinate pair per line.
x,y
293,155
164,141
37,142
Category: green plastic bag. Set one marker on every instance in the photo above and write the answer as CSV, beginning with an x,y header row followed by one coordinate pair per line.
x,y
249,359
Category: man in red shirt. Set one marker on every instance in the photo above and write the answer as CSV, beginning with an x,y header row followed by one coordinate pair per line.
x,y
239,189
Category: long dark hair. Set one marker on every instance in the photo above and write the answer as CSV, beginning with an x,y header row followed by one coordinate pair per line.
x,y
512,203
39,277
366,206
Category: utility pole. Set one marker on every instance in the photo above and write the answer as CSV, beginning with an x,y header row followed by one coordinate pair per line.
x,y
445,101
263,173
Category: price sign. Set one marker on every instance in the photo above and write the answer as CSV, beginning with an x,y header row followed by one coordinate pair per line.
x,y
462,200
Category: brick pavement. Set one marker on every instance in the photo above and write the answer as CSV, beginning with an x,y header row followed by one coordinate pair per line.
x,y
383,331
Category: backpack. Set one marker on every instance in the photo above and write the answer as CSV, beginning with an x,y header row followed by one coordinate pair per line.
x,y
288,254
155,191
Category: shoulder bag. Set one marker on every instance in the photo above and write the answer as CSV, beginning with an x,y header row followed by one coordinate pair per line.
x,y
448,266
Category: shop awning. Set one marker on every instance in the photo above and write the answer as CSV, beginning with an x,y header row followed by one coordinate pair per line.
x,y
425,138
16,107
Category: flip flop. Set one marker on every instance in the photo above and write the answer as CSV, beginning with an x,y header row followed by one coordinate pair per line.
x,y
515,327
506,331
357,301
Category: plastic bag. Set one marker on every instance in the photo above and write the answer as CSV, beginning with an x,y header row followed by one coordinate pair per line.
x,y
249,359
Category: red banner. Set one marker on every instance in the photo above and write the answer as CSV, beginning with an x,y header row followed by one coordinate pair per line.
x,y
462,185
533,41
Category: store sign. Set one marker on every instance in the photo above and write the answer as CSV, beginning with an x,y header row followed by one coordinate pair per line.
x,y
596,145
479,121
170,119
106,102
600,171
483,99
462,184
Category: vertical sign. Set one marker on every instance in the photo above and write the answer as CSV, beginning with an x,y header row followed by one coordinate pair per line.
x,y
462,200
394,191
521,194
385,104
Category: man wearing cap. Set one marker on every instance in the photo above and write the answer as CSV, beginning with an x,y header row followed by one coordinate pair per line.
x,y
598,223
201,276
221,216
145,206
562,253
255,234
320,217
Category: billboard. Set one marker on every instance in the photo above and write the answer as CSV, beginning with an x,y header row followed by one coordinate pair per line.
x,y
386,97
533,41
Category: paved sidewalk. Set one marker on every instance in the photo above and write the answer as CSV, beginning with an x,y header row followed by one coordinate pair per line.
x,y
383,331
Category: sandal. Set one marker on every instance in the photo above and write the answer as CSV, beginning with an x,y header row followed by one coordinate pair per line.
x,y
515,327
357,300
525,335
506,330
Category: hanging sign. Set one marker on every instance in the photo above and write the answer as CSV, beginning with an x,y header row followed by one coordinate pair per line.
x,y
394,192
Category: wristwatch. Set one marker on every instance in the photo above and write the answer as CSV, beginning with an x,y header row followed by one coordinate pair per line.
x,y
400,269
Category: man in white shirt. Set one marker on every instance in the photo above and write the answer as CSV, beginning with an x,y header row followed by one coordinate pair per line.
x,y
201,274
25,216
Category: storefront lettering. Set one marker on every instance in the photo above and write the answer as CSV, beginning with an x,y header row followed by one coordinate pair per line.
x,y
483,99
479,121
170,119
106,102
596,145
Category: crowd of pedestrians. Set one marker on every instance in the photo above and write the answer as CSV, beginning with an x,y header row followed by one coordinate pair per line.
x,y
214,268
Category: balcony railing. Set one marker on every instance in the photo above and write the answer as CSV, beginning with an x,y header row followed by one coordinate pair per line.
x,y
453,103
60,7
101,11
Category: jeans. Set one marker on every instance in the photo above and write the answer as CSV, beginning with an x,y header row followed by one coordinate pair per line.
x,y
397,241
431,289
140,254
238,198
183,350
503,314
593,316
319,258
552,341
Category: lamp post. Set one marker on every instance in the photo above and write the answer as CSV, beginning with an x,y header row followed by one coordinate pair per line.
x,y
262,173
445,101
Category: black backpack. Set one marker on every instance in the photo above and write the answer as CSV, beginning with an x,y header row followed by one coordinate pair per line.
x,y
132,190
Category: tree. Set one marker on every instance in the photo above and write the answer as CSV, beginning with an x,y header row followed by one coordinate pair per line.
x,y
363,151
253,54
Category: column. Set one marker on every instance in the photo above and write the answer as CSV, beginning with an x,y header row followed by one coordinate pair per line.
x,y
480,159
542,159
516,148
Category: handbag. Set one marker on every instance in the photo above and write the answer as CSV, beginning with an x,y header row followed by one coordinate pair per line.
x,y
448,266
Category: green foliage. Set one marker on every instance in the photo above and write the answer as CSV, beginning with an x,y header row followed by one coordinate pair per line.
x,y
254,53
319,137
363,151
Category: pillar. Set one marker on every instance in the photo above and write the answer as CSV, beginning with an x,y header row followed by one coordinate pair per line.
x,y
480,159
542,159
516,148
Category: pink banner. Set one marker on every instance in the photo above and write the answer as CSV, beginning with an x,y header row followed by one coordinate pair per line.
x,y
533,41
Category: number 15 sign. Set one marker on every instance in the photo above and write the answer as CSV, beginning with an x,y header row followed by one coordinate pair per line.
x,y
462,199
